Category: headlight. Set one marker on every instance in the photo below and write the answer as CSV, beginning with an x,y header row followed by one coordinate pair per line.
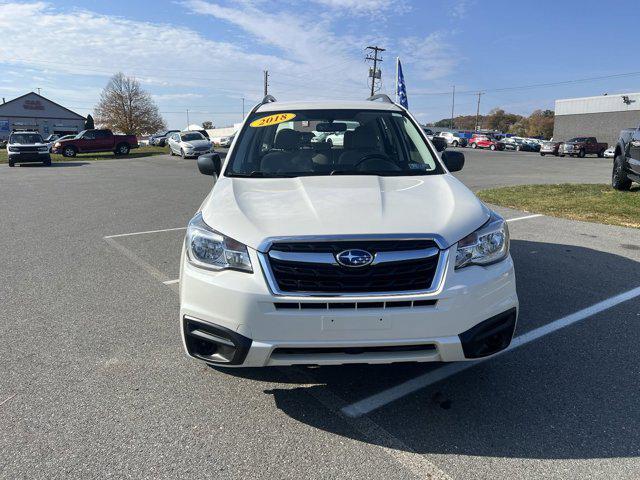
x,y
209,249
489,244
14,149
57,145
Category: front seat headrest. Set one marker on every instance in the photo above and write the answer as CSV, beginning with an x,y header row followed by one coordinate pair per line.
x,y
287,139
363,138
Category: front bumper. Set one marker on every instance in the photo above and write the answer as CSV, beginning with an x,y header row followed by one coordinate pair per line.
x,y
239,309
29,157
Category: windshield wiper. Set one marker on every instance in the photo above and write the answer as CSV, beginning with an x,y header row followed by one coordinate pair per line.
x,y
385,173
258,174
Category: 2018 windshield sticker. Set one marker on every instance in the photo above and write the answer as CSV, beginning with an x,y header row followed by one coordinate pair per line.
x,y
272,120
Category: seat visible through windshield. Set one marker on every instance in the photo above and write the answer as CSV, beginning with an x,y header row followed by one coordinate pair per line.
x,y
331,142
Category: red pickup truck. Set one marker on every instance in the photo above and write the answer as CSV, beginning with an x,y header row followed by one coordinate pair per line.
x,y
97,140
581,146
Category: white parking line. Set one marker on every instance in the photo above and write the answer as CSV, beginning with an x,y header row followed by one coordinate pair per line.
x,y
524,218
143,233
385,397
171,282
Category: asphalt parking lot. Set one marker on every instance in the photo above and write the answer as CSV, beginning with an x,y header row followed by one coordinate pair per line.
x,y
94,384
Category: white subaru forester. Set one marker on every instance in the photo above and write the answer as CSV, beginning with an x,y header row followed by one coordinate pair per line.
x,y
370,252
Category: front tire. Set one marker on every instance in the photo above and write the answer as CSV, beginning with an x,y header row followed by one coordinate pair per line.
x,y
455,143
542,154
182,154
619,179
474,145
12,163
601,154
69,152
492,147
47,162
581,154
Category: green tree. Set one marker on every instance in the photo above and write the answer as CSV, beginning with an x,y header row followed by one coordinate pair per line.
x,y
540,124
520,127
208,125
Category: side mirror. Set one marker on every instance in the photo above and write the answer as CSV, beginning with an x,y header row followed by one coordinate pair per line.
x,y
440,143
210,164
454,161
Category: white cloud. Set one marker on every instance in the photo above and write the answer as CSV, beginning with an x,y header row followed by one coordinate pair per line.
x,y
365,7
431,57
86,43
461,8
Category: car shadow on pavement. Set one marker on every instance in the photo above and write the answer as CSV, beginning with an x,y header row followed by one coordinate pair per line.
x,y
53,164
569,395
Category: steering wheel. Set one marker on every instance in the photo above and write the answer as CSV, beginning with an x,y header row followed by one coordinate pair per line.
x,y
372,156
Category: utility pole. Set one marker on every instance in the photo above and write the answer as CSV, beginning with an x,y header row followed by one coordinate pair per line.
x,y
38,90
375,72
266,82
478,111
188,119
453,104
243,108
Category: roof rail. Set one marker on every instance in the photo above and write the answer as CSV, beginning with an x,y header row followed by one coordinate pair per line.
x,y
266,99
380,96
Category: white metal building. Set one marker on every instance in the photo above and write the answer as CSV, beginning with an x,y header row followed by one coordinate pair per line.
x,y
602,117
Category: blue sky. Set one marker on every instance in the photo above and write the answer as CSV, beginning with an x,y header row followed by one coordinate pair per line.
x,y
206,55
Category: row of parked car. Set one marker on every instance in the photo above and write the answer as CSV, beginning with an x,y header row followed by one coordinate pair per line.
x,y
161,139
575,147
488,141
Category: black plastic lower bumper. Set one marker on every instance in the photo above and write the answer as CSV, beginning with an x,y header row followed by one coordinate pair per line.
x,y
29,157
213,343
490,336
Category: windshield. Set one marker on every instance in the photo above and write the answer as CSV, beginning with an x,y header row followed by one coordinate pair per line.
x,y
25,138
579,139
187,137
331,142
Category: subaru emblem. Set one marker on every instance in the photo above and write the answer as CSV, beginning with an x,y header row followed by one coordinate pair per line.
x,y
354,258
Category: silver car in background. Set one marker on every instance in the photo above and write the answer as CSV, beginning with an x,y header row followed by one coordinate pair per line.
x,y
188,144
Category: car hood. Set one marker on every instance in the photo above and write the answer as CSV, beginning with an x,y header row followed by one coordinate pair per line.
x,y
197,143
252,210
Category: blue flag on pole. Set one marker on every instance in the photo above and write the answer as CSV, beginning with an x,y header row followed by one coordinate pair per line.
x,y
402,88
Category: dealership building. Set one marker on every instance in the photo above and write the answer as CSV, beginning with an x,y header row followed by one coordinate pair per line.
x,y
602,117
34,112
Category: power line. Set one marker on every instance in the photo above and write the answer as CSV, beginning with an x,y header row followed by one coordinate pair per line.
x,y
536,85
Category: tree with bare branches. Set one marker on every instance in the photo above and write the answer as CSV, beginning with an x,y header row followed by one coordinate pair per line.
x,y
125,107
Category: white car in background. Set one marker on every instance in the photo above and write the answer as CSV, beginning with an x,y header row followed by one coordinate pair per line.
x,y
188,144
369,253
453,139
610,152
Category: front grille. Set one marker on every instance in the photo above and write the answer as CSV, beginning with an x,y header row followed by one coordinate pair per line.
x,y
397,276
27,149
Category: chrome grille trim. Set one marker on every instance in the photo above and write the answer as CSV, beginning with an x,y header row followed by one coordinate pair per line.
x,y
436,284
329,259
